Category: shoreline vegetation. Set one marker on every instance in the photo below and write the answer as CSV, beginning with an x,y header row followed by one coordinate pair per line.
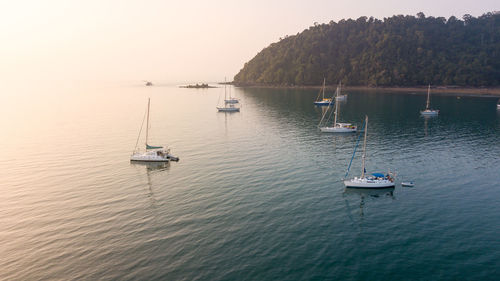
x,y
450,90
399,51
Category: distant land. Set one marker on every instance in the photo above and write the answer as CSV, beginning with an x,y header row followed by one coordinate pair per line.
x,y
197,86
400,51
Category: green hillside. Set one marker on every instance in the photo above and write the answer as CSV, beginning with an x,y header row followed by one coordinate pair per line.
x,y
397,51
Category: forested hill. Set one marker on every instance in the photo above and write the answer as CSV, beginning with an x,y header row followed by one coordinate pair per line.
x,y
398,51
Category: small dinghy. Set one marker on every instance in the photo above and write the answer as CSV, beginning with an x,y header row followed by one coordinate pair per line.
x,y
408,183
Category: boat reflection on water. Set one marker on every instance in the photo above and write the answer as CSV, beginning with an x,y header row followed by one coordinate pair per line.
x,y
364,193
153,166
426,121
427,118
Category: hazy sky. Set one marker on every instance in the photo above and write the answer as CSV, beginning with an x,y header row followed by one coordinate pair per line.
x,y
170,41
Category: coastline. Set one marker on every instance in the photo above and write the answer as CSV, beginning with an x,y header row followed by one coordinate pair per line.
x,y
457,91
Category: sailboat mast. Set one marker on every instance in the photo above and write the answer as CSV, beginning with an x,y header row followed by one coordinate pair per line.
x,y
225,84
336,99
364,149
147,125
428,97
323,90
336,107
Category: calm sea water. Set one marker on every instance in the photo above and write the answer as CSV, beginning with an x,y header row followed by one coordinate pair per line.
x,y
257,195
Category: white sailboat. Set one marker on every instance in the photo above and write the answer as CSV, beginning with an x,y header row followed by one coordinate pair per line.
x,y
228,106
337,127
428,111
375,180
323,100
230,99
340,97
152,153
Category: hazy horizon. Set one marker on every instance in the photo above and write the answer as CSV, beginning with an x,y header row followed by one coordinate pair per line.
x,y
170,42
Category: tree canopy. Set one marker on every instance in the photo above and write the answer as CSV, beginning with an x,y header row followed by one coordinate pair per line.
x,y
396,51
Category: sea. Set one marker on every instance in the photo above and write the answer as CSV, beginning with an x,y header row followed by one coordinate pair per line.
x,y
256,195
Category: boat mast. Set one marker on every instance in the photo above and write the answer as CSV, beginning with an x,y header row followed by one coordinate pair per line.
x,y
225,84
323,90
428,97
364,149
147,125
336,107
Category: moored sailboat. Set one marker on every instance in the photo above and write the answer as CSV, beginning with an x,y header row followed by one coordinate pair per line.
x,y
323,100
230,99
152,153
375,180
428,111
339,96
229,104
337,127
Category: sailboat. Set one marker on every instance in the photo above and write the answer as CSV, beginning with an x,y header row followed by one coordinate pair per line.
x,y
337,127
228,106
323,101
230,99
498,104
375,180
428,111
340,97
152,153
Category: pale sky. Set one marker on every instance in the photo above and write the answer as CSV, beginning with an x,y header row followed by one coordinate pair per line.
x,y
170,41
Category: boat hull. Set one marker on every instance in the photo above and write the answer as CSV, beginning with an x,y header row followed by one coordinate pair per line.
x,y
340,128
322,103
228,109
367,184
341,98
429,112
231,101
140,158
337,130
153,156
150,161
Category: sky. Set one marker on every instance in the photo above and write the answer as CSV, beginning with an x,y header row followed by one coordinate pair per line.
x,y
170,41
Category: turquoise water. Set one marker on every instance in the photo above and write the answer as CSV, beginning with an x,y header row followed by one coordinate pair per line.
x,y
256,195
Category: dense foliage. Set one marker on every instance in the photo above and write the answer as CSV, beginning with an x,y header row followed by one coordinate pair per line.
x,y
398,51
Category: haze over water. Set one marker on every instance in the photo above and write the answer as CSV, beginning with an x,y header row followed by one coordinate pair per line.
x,y
256,195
